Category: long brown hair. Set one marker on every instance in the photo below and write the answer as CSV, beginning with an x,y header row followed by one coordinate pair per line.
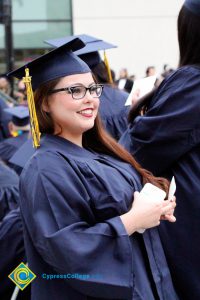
x,y
96,138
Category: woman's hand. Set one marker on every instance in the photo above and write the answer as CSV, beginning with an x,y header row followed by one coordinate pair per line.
x,y
169,215
146,213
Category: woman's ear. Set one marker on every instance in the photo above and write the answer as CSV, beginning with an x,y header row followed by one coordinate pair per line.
x,y
45,107
11,127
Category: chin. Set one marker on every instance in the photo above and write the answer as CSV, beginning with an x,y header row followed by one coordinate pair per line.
x,y
88,127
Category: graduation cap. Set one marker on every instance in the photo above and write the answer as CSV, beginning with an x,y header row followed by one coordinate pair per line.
x,y
193,6
20,115
57,63
89,53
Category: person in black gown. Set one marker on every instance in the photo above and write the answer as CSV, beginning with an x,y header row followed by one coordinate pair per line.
x,y
78,199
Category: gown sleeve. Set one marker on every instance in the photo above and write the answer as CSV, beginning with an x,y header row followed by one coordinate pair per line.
x,y
171,127
9,190
58,216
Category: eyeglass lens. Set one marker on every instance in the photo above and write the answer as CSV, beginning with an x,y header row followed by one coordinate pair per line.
x,y
79,92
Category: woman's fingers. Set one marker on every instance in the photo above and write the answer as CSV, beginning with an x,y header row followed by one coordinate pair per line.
x,y
168,207
169,218
168,210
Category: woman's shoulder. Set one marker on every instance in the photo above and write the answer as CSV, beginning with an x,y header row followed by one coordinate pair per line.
x,y
49,168
56,161
41,162
183,73
182,79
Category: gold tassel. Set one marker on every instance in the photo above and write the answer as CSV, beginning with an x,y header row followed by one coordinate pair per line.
x,y
108,67
31,105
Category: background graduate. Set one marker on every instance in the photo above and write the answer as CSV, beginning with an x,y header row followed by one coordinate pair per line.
x,y
12,253
9,190
76,195
166,141
12,250
19,128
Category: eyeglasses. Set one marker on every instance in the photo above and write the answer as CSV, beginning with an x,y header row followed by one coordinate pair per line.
x,y
79,91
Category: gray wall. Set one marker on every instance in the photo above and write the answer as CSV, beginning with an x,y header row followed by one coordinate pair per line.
x,y
144,30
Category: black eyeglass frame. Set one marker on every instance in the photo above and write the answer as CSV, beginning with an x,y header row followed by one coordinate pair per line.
x,y
70,90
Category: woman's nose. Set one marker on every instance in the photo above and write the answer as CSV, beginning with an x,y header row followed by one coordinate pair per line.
x,y
88,97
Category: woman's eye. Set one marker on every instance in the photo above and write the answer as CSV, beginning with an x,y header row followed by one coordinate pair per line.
x,y
93,89
76,90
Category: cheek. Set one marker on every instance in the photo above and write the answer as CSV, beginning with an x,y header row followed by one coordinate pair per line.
x,y
63,106
97,103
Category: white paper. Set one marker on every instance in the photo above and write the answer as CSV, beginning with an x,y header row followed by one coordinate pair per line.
x,y
172,188
144,85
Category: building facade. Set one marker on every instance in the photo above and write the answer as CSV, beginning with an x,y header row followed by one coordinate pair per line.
x,y
144,30
34,21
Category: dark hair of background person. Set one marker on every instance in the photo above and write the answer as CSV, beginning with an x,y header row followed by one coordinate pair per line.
x,y
189,53
101,74
96,138
188,37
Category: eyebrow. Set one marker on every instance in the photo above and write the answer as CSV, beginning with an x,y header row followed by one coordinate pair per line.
x,y
81,84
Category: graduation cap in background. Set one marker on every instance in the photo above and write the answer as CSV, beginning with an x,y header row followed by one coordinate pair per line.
x,y
89,53
57,63
20,115
193,6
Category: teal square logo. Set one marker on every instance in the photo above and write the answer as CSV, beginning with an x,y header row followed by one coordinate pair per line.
x,y
22,276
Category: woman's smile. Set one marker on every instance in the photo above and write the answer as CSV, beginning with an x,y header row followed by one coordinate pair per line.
x,y
87,112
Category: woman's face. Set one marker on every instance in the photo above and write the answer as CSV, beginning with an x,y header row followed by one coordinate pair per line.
x,y
73,116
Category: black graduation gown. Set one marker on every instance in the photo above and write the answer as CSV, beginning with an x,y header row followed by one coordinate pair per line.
x,y
9,190
71,200
166,141
4,120
113,112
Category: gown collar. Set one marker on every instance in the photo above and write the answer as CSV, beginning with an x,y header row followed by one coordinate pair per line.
x,y
63,145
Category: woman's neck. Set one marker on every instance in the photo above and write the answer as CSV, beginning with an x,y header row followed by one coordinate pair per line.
x,y
75,139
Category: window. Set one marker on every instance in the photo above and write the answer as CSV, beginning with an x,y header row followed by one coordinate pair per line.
x,y
32,23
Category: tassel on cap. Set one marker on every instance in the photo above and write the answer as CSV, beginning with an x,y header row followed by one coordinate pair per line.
x,y
31,104
108,67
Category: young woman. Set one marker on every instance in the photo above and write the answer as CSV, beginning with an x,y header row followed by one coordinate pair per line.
x,y
79,217
166,141
112,109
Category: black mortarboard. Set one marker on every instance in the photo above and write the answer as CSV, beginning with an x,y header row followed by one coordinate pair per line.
x,y
20,115
89,53
57,63
193,6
